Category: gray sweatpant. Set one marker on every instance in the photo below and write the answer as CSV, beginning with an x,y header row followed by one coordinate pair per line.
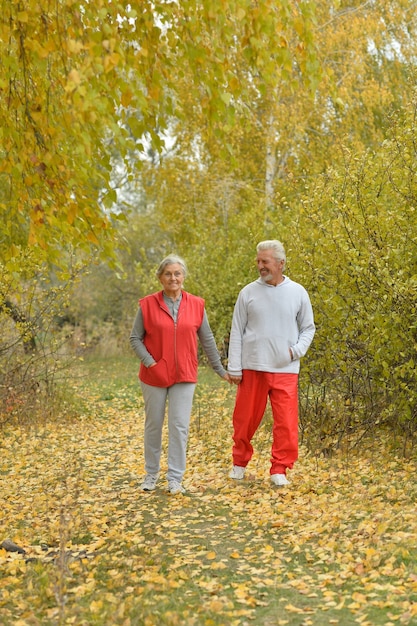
x,y
180,399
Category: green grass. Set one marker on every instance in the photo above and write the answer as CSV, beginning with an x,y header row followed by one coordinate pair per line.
x,y
333,548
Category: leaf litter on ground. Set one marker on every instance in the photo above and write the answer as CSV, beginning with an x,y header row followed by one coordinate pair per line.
x,y
337,546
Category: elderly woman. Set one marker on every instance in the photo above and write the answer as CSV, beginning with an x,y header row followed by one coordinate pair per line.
x,y
164,337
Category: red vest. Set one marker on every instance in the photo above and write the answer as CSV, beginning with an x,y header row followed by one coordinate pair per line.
x,y
172,345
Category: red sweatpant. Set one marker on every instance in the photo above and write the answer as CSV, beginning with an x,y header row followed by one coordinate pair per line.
x,y
251,398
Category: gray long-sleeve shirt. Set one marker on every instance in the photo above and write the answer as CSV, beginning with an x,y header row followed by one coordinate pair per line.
x,y
204,333
267,322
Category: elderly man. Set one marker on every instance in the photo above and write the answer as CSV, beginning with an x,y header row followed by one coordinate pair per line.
x,y
272,329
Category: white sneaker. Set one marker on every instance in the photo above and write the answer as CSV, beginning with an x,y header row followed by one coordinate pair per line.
x,y
175,487
279,479
237,473
149,482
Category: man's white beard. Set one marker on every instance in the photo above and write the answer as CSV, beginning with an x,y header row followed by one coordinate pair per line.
x,y
265,279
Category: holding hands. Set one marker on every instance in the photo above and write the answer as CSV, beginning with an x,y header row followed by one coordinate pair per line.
x,y
234,380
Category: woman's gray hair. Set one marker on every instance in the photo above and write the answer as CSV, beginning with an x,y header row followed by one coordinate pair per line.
x,y
170,260
276,247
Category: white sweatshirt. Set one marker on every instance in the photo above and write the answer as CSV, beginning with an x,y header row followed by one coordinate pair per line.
x,y
267,322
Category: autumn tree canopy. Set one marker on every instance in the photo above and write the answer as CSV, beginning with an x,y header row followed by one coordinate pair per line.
x,y
84,81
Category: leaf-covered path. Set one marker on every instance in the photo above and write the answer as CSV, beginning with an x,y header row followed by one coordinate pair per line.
x,y
338,546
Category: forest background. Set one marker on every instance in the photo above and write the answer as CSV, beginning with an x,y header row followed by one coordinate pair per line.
x,y
132,130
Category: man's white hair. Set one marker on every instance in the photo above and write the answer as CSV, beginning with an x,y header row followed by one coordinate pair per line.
x,y
276,247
